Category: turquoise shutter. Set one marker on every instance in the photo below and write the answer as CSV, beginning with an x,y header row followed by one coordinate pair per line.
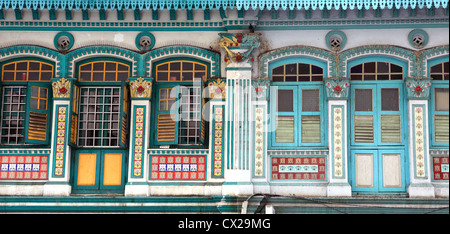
x,y
363,114
38,113
285,116
167,115
124,110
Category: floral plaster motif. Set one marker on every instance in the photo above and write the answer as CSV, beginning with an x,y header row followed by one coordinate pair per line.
x,y
418,87
61,88
140,88
337,88
230,41
217,89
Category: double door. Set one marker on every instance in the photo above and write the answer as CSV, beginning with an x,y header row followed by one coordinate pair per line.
x,y
99,171
378,136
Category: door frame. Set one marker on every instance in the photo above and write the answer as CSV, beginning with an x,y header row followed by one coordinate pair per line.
x,y
98,188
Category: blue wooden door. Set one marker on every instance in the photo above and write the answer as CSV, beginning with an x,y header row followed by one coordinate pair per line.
x,y
378,138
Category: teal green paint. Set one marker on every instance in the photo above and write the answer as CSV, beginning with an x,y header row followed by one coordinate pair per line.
x,y
52,14
144,136
35,14
68,14
120,14
85,14
18,14
61,34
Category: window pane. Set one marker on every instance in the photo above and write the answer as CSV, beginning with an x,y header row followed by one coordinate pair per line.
x,y
396,68
278,70
111,66
303,68
291,69
310,100
176,66
436,68
316,70
383,67
369,67
356,69
389,100
441,99
285,100
363,99
187,66
162,76
98,66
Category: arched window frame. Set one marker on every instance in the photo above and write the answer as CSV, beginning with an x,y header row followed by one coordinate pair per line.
x,y
34,103
177,89
378,86
112,132
298,115
433,111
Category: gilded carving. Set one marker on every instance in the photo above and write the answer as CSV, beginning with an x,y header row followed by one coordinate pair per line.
x,y
141,88
61,88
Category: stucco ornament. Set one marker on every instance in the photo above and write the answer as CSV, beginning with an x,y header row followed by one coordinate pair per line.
x,y
418,87
337,88
239,41
140,88
61,88
217,89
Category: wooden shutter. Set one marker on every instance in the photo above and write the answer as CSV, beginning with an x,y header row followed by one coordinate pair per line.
x,y
363,128
390,128
38,113
311,129
441,128
202,111
124,110
285,129
167,118
75,97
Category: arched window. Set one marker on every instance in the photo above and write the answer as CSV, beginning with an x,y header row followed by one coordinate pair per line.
x,y
440,71
179,71
26,101
103,103
298,108
376,71
104,71
297,72
178,102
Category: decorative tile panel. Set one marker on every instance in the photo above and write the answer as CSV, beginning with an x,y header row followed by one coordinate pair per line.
x,y
337,144
440,168
218,142
178,168
298,168
60,149
138,146
259,142
419,141
23,167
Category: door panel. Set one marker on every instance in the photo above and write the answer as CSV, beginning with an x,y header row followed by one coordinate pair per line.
x,y
87,169
99,171
112,169
392,171
364,165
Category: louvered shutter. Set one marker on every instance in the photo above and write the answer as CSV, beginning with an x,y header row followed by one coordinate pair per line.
x,y
124,110
75,97
167,117
311,129
38,113
390,128
285,129
441,128
363,129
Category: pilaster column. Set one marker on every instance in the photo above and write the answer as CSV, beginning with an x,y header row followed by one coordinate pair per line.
x,y
59,161
138,171
239,59
418,92
337,90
